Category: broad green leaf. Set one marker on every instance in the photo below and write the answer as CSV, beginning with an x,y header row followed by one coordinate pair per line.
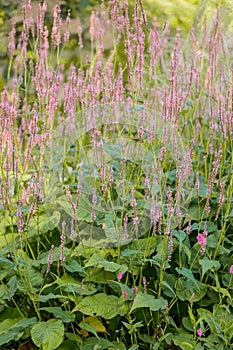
x,y
94,343
68,345
144,246
212,241
213,323
13,329
187,252
100,262
73,266
187,273
147,338
6,263
129,252
8,238
57,312
45,298
170,291
83,211
8,323
69,285
33,277
12,286
207,264
196,212
114,150
4,294
187,324
5,221
44,223
97,275
96,323
186,289
87,327
223,291
145,300
118,286
228,330
48,335
73,337
106,306
184,341
203,190
117,346
9,312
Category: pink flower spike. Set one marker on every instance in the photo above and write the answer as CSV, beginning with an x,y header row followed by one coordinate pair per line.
x,y
199,332
231,270
201,239
124,293
119,276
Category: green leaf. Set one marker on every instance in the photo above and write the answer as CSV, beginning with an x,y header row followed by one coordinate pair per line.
x,y
223,291
48,335
187,324
65,316
45,298
73,266
187,273
144,247
213,323
147,338
6,263
9,312
106,306
145,300
186,289
114,150
69,285
228,330
100,262
196,213
33,276
73,337
68,345
96,323
167,286
88,328
12,286
13,329
44,223
98,344
83,211
117,346
207,264
203,190
184,341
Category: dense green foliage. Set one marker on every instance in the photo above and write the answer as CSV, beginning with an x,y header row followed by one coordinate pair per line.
x,y
116,187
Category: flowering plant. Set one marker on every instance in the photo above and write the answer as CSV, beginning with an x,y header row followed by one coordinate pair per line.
x,y
116,187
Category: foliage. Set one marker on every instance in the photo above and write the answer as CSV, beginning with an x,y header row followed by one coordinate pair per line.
x,y
116,213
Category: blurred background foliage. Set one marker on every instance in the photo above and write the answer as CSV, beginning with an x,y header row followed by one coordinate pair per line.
x,y
177,13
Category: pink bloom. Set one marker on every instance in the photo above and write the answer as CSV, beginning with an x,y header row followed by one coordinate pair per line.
x,y
231,269
201,239
124,293
126,235
63,238
50,258
199,332
119,276
144,283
